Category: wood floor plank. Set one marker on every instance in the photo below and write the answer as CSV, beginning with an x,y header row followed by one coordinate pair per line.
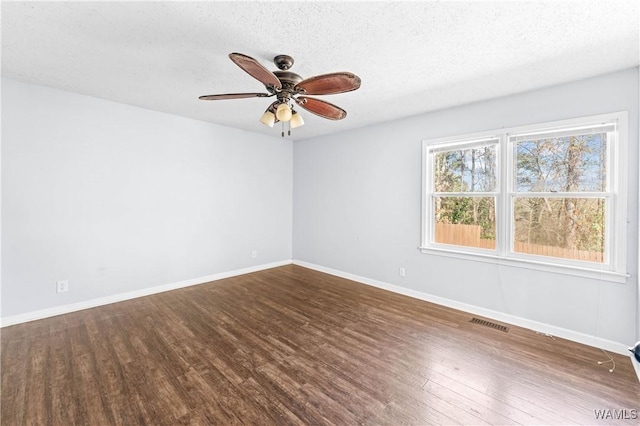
x,y
37,399
294,346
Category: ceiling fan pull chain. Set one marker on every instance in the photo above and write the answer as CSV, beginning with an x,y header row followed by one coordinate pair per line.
x,y
289,127
282,128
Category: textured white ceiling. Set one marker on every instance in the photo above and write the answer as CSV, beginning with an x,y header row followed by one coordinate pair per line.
x,y
412,57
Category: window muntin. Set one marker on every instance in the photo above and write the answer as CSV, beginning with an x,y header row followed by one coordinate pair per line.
x,y
562,200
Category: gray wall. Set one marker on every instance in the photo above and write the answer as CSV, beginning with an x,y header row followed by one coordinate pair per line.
x,y
116,198
357,210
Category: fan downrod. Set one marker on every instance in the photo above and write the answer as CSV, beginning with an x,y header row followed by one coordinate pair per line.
x,y
283,62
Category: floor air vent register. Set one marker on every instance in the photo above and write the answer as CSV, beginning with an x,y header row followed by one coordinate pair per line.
x,y
489,324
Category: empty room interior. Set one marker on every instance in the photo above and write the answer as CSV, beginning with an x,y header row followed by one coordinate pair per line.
x,y
320,213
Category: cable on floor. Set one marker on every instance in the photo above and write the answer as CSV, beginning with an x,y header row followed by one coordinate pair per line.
x,y
607,361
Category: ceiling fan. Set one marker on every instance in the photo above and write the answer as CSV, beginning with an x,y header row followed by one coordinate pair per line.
x,y
289,88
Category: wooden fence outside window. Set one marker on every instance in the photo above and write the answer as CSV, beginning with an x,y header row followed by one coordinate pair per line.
x,y
470,236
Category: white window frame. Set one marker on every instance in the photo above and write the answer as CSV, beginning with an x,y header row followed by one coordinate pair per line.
x,y
614,266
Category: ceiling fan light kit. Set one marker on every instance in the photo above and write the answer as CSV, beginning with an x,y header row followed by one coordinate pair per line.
x,y
289,88
283,112
268,118
296,120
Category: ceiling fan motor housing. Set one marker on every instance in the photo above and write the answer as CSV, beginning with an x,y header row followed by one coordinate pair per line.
x,y
287,78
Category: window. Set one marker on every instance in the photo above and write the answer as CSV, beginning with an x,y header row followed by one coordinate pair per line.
x,y
463,199
550,196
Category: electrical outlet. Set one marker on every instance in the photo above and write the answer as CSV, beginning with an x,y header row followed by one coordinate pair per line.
x,y
62,286
401,272
254,254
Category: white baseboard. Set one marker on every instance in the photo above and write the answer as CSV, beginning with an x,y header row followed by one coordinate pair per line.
x,y
476,310
92,303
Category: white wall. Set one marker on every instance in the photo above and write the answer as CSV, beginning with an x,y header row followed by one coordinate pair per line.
x,y
357,210
116,198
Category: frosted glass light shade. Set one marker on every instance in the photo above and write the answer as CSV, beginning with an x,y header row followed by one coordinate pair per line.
x,y
268,118
296,120
283,113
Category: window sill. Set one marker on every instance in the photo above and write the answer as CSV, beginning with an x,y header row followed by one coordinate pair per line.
x,y
598,274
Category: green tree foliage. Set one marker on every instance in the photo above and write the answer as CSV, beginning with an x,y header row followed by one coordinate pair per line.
x,y
551,165
466,171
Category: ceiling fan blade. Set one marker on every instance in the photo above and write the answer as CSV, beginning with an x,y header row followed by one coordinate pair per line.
x,y
329,84
233,96
321,108
256,70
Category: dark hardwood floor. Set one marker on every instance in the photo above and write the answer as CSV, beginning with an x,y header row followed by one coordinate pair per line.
x,y
294,346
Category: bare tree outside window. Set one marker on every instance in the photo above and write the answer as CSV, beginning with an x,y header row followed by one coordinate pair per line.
x,y
550,216
549,196
464,215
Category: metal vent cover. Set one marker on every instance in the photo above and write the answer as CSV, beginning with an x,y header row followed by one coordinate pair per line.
x,y
489,324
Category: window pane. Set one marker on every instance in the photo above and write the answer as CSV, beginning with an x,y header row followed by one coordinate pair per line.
x,y
466,170
562,164
466,221
571,228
